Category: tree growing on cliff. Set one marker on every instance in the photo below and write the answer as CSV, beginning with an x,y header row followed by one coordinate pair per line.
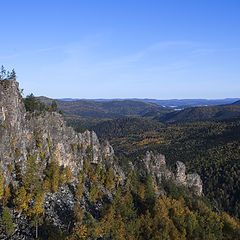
x,y
12,75
7,195
54,106
36,212
52,174
3,73
31,179
6,222
1,185
31,103
6,74
21,200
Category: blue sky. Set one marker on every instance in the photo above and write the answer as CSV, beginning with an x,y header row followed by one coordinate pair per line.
x,y
123,48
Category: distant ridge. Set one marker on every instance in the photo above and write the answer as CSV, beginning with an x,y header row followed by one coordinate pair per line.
x,y
170,103
107,109
207,113
237,103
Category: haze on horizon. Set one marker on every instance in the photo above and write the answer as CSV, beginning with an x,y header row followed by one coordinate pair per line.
x,y
123,49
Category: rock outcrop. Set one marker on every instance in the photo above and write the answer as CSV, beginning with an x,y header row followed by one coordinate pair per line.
x,y
155,164
46,134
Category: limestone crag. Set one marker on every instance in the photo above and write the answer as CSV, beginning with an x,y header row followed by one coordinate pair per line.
x,y
45,134
155,164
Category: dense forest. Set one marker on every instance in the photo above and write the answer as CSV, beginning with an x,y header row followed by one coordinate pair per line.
x,y
209,148
135,212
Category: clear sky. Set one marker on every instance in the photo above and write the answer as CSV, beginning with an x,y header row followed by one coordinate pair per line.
x,y
123,48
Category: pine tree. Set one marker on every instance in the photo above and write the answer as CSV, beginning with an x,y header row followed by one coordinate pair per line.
x,y
6,221
2,73
66,175
149,192
105,225
90,223
1,185
21,200
53,175
80,230
31,179
54,106
36,212
13,74
7,195
79,190
109,182
94,192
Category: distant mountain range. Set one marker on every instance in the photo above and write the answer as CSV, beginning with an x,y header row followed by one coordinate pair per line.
x,y
179,112
108,109
171,103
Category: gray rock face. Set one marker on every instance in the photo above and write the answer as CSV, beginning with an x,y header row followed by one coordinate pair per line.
x,y
47,137
194,181
181,173
156,166
21,132
190,180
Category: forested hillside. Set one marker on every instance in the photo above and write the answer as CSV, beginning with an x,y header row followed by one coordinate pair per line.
x,y
222,112
106,109
209,148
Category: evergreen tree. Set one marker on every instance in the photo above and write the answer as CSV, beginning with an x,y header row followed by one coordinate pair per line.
x,y
7,195
66,175
149,191
1,185
54,106
80,230
31,179
36,212
31,103
21,200
52,175
12,75
2,73
6,221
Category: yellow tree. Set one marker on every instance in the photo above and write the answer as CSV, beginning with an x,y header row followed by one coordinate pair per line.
x,y
118,228
53,175
66,175
79,190
7,195
22,200
36,211
109,182
105,225
1,185
79,231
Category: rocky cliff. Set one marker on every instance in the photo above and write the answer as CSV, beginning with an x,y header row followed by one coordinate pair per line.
x,y
46,137
155,165
45,134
